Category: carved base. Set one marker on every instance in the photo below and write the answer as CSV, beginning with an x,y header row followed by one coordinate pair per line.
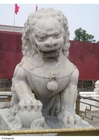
x,y
8,123
53,122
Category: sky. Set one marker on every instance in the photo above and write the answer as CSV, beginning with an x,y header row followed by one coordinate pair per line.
x,y
84,14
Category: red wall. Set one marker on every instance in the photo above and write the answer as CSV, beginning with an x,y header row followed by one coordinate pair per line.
x,y
10,53
84,55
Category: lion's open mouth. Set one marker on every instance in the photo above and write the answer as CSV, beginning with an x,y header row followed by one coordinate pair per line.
x,y
50,53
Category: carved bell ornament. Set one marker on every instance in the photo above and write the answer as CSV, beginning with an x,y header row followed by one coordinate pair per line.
x,y
52,85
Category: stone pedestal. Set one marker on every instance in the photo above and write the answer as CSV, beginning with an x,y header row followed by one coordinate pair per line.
x,y
8,123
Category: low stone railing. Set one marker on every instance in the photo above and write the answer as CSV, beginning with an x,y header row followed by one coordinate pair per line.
x,y
86,97
5,98
88,102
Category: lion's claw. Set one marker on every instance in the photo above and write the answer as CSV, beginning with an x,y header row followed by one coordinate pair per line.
x,y
29,104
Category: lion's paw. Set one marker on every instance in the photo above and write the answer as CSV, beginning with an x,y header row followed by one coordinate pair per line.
x,y
29,104
69,119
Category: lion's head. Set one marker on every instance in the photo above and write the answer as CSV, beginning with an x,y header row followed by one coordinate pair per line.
x,y
45,32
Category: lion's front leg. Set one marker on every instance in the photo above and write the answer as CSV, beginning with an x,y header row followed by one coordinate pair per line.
x,y
23,98
22,95
25,110
67,114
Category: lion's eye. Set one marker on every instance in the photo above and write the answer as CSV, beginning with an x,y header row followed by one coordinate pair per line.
x,y
39,38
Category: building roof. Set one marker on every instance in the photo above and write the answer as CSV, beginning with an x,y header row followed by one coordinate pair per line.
x,y
11,28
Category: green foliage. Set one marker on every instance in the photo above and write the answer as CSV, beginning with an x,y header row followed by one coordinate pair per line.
x,y
82,35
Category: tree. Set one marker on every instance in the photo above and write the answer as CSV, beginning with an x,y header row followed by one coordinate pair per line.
x,y
82,35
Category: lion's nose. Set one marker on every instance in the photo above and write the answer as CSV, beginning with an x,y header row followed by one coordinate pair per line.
x,y
50,42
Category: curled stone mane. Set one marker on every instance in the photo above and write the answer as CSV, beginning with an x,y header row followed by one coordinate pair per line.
x,y
30,49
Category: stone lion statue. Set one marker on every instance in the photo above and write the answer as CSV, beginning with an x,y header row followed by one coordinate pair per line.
x,y
45,81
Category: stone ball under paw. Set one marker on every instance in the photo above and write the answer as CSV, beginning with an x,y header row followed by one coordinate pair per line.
x,y
27,117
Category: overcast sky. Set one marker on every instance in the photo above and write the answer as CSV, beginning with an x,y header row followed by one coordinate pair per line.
x,y
81,15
